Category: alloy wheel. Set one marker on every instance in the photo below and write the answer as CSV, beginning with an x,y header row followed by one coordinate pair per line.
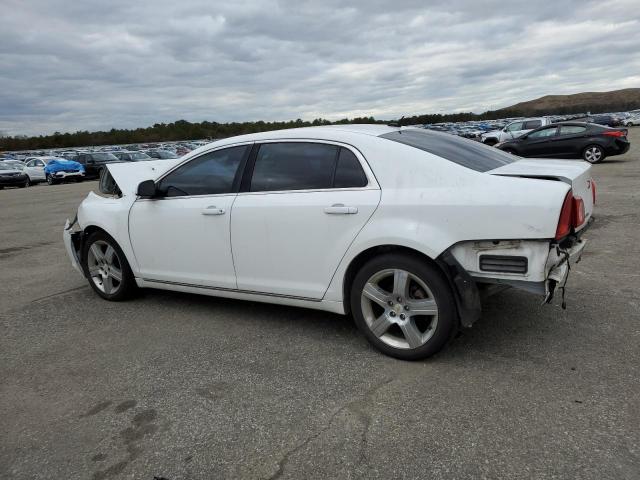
x,y
105,267
593,154
399,308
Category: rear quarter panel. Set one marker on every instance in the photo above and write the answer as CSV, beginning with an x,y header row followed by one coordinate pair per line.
x,y
429,204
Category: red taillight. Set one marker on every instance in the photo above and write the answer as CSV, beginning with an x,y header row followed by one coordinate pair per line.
x,y
593,190
614,133
565,220
578,212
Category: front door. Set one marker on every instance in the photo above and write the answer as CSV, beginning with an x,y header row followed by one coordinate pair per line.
x,y
183,236
34,168
539,143
304,206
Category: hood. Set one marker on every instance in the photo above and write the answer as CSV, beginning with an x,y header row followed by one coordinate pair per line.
x,y
128,175
13,171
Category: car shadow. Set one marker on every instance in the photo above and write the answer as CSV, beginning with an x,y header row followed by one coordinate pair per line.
x,y
513,323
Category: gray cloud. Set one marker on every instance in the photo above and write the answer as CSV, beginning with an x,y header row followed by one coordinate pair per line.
x,y
96,65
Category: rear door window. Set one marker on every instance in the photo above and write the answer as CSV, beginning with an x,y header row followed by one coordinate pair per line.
x,y
572,129
294,166
349,173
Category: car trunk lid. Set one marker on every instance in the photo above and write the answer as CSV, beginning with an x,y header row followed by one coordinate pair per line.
x,y
575,173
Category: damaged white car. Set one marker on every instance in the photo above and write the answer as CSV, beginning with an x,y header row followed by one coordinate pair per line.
x,y
403,228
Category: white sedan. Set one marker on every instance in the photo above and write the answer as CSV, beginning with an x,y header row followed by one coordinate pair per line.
x,y
404,228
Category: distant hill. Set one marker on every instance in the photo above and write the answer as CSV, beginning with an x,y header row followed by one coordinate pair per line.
x,y
594,102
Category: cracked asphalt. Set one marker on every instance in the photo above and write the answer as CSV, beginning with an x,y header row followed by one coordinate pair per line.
x,y
179,386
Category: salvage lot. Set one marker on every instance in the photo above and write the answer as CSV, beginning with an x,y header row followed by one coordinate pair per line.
x,y
187,387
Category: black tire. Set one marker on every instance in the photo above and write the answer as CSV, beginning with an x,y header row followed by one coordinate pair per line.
x,y
433,278
25,184
28,183
589,154
51,180
127,287
490,141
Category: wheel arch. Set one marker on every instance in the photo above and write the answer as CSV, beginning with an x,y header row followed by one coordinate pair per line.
x,y
364,256
92,228
463,287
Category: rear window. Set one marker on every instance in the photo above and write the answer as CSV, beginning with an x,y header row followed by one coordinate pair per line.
x,y
468,153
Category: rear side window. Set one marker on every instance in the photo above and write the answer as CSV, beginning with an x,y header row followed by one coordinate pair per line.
x,y
465,152
531,124
293,166
349,173
209,174
571,129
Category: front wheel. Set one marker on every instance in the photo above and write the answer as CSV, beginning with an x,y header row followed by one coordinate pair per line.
x,y
404,306
107,268
51,180
593,154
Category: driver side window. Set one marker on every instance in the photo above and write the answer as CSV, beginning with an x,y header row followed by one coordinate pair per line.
x,y
209,174
514,127
546,132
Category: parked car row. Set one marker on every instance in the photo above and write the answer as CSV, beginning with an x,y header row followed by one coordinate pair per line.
x,y
70,165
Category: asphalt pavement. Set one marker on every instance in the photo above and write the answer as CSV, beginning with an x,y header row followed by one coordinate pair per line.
x,y
181,386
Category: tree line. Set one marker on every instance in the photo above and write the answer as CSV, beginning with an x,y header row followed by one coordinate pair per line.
x,y
184,130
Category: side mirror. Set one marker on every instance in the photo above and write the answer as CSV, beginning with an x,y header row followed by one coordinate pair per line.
x,y
147,189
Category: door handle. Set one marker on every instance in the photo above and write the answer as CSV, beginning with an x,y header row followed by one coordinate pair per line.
x,y
340,209
212,210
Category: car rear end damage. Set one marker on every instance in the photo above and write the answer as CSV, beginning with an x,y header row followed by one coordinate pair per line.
x,y
539,266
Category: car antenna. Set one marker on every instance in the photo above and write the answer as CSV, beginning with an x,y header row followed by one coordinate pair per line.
x,y
397,123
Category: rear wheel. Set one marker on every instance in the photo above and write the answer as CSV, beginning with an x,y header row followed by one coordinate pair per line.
x,y
107,268
593,154
404,306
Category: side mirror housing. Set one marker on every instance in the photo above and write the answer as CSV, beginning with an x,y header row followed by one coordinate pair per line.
x,y
147,189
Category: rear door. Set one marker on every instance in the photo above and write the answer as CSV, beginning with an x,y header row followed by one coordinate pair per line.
x,y
570,140
303,204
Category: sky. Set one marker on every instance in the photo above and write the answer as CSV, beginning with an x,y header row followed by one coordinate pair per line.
x,y
95,65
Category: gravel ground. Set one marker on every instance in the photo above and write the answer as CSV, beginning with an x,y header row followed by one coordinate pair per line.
x,y
187,387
